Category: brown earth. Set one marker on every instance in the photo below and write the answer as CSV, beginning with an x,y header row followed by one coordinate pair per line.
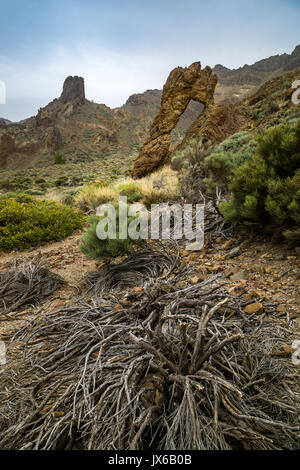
x,y
259,271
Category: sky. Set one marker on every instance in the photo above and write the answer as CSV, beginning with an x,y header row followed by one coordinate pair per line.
x,y
122,47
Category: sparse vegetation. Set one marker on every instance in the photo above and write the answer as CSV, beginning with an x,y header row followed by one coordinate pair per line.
x,y
59,159
92,195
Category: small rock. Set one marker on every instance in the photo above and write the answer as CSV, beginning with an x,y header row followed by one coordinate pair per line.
x,y
281,309
138,290
234,252
253,308
194,280
2,353
238,276
227,244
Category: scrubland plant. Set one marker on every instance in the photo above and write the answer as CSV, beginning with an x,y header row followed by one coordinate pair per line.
x,y
206,168
95,248
266,189
59,159
92,195
131,190
26,221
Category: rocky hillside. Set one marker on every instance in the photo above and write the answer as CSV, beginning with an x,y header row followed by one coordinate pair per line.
x,y
240,83
81,130
84,131
270,105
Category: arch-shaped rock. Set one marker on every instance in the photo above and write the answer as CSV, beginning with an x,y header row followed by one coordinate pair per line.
x,y
182,85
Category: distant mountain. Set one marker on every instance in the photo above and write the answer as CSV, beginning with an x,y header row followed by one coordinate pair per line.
x,y
4,122
236,84
82,130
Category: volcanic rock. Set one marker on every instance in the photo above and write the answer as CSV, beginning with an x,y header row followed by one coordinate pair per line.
x,y
7,147
73,91
182,86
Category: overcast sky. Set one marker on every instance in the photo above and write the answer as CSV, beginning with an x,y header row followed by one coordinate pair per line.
x,y
122,47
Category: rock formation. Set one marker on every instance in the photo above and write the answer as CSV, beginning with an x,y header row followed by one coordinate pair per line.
x,y
7,147
182,86
73,91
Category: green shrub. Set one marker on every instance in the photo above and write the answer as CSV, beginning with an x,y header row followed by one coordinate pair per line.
x,y
227,157
131,190
26,221
59,159
68,197
205,167
266,189
94,248
61,181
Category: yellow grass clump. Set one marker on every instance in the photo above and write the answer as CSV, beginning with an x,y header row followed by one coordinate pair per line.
x,y
161,186
91,196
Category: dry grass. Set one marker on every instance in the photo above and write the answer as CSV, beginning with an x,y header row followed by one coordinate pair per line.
x,y
91,196
159,187
166,369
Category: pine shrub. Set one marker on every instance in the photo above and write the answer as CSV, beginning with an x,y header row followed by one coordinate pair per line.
x,y
266,189
94,248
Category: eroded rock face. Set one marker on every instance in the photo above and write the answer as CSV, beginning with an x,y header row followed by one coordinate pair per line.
x,y
53,139
183,85
73,91
7,147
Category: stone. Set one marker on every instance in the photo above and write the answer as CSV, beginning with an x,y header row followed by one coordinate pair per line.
x,y
234,252
182,86
53,139
254,308
194,280
281,309
73,90
238,276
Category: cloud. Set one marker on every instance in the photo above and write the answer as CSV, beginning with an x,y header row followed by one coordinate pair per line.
x,y
110,77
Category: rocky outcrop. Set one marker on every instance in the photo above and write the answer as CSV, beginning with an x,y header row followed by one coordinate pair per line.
x,y
215,124
104,137
182,86
73,91
7,147
27,148
53,139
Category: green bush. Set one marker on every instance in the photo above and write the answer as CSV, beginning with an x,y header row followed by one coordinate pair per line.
x,y
59,159
68,197
205,167
266,189
26,221
131,190
61,181
227,157
94,248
